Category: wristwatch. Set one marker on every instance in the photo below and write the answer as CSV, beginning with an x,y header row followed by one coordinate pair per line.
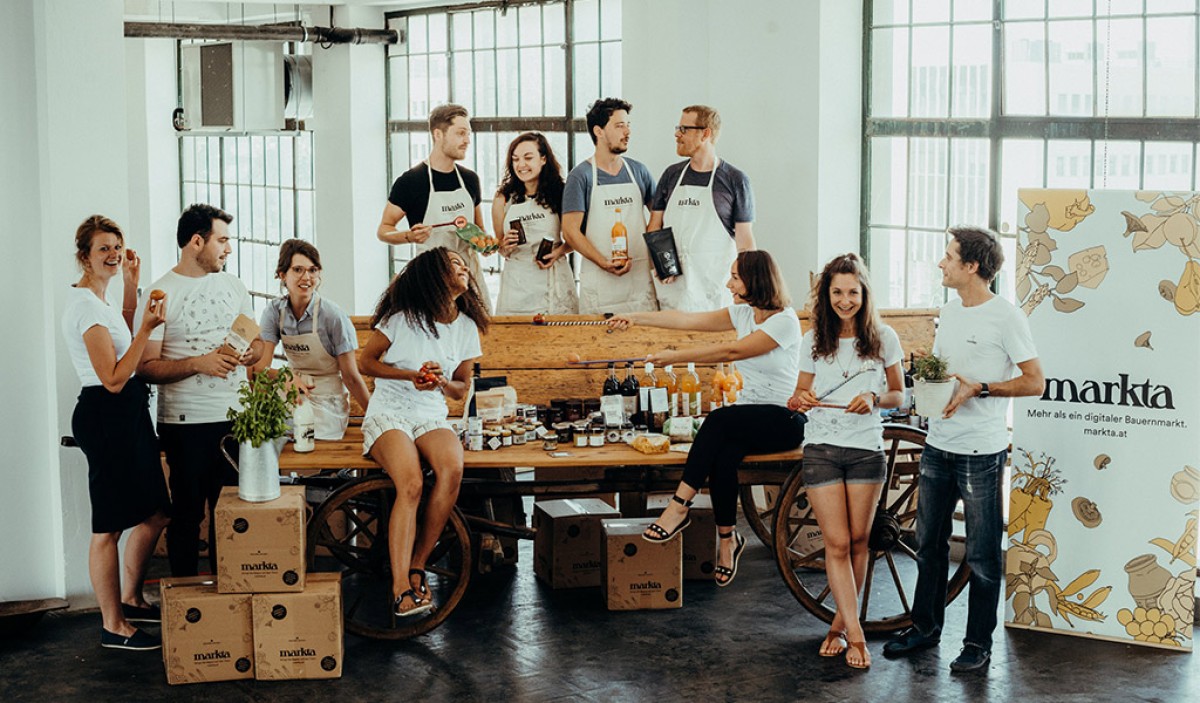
x,y
985,392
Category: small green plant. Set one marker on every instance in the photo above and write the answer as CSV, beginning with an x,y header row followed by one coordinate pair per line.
x,y
267,403
930,367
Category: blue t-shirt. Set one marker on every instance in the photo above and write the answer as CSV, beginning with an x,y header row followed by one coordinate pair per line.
x,y
732,197
337,333
577,193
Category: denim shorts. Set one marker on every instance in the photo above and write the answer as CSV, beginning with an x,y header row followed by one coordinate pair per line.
x,y
827,464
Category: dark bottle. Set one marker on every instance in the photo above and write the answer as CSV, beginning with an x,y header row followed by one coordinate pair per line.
x,y
474,422
611,385
520,229
629,390
544,249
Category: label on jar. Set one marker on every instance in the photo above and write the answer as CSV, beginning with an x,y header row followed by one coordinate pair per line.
x,y
581,439
493,443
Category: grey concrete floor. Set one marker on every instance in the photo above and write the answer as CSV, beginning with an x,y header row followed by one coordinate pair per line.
x,y
513,639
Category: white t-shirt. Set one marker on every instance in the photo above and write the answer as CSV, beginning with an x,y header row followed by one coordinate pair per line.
x,y
412,346
200,312
984,343
84,311
771,377
838,427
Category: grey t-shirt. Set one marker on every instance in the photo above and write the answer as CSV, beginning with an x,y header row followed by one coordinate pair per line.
x,y
577,193
336,333
731,191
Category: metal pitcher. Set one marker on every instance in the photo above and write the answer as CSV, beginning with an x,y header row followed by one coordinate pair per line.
x,y
258,469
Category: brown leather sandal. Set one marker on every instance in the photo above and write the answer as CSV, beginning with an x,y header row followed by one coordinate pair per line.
x,y
828,648
861,648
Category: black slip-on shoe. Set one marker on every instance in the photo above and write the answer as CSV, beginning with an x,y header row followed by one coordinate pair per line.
x,y
134,613
139,641
972,658
909,641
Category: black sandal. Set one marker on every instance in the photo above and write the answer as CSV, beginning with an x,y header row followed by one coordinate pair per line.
x,y
423,589
730,572
659,534
419,606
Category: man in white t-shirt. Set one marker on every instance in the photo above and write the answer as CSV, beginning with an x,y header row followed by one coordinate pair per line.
x,y
197,377
986,341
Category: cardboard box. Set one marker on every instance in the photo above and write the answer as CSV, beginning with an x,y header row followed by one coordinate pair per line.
x,y
207,635
640,575
699,538
566,550
260,546
299,635
576,473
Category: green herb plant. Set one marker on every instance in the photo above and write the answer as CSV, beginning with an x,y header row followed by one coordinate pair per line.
x,y
930,367
267,403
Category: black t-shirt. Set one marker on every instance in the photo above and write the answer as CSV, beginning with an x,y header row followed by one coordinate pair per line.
x,y
410,192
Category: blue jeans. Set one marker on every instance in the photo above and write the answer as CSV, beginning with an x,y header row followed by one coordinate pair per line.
x,y
976,478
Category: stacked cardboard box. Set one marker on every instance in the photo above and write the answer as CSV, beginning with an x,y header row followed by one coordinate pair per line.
x,y
566,550
264,617
638,574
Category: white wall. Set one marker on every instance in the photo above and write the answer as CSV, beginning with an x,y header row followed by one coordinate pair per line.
x,y
785,75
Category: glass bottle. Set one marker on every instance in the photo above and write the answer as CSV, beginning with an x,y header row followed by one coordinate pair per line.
x,y
474,422
668,381
716,397
629,391
646,413
611,385
689,392
620,240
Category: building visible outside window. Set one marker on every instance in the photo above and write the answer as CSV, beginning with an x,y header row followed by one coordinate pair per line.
x,y
1097,94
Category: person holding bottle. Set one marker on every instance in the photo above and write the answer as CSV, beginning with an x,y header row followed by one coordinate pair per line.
x,y
318,340
537,275
111,424
426,333
604,216
849,368
768,345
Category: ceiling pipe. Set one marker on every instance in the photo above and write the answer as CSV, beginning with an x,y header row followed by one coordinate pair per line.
x,y
279,33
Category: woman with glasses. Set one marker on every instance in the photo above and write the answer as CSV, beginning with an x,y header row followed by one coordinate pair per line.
x,y
537,277
318,340
849,367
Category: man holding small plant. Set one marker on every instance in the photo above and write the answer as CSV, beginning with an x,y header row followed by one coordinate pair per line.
x,y
986,342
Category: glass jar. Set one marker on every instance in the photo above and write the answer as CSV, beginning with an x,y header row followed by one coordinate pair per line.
x,y
596,436
519,435
575,409
565,432
550,442
506,438
627,432
612,434
581,437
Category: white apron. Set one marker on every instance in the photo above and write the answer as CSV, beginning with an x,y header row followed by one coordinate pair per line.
x,y
444,206
306,355
706,251
526,289
599,290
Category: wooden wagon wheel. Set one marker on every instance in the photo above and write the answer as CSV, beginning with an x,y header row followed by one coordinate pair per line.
x,y
892,569
758,507
348,533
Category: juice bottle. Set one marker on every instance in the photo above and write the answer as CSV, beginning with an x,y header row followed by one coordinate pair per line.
x,y
716,397
732,384
668,381
620,240
689,391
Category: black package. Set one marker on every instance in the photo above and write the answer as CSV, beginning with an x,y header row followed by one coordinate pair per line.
x,y
663,253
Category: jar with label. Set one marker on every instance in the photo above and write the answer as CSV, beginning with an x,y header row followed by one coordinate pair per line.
x,y
565,432
581,437
550,442
506,439
491,439
596,436
518,435
627,432
612,434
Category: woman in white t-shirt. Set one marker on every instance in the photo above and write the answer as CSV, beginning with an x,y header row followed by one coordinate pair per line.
x,y
849,367
111,424
426,332
767,349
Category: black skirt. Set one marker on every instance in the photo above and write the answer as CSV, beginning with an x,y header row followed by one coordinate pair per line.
x,y
125,476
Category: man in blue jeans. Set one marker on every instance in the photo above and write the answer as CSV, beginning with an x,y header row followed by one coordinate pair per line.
x,y
987,343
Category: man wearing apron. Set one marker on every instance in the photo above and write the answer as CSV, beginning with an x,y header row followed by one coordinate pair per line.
x,y
525,287
435,192
709,207
598,193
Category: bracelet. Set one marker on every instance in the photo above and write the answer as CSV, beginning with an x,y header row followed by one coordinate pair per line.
x,y
129,309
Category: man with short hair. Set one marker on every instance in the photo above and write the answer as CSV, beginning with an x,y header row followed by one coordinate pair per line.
x,y
709,206
197,377
600,192
437,191
986,341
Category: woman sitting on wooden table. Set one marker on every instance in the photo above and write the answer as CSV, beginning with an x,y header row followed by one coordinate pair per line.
x,y
426,333
768,352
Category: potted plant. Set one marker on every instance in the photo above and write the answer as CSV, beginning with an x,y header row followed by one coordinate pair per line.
x,y
259,428
933,387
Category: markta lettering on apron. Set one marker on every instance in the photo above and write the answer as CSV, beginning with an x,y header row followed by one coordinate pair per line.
x,y
706,251
599,290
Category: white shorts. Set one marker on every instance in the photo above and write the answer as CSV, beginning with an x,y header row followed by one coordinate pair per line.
x,y
373,427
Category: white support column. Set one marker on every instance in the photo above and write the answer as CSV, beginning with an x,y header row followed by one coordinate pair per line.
x,y
351,164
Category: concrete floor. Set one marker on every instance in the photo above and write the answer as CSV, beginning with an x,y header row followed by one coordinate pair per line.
x,y
515,640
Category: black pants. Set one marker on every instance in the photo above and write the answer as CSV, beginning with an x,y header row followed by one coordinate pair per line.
x,y
198,472
726,437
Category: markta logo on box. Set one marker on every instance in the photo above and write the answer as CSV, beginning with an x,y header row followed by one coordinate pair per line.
x,y
1120,392
215,655
260,566
297,653
585,565
646,586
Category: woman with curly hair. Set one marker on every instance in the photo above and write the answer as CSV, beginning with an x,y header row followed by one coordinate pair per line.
x,y
426,333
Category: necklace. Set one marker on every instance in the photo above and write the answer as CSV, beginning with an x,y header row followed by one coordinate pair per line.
x,y
837,357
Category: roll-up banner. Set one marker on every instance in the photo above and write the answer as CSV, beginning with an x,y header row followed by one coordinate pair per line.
x,y
1103,506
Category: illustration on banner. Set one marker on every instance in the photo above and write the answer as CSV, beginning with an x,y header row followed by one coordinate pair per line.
x,y
1037,278
1172,220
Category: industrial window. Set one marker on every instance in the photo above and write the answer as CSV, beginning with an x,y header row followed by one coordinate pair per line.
x,y
536,66
1096,94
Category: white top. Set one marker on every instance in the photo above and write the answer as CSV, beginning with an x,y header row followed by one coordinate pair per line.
x,y
838,427
984,343
200,312
84,311
771,377
412,346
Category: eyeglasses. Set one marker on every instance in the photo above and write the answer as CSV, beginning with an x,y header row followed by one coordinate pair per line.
x,y
682,128
311,271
